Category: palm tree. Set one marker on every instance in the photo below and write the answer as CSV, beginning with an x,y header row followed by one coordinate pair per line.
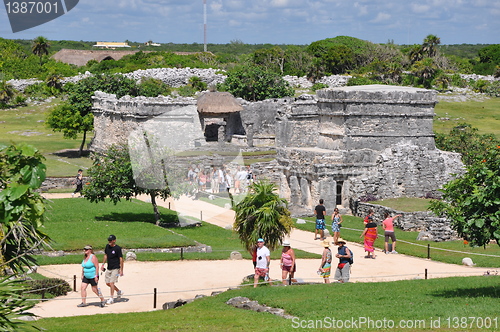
x,y
6,92
40,46
262,214
430,45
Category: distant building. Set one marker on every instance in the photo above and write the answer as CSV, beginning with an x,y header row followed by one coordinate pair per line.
x,y
110,44
150,43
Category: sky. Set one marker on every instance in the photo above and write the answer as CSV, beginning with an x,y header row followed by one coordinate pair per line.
x,y
271,21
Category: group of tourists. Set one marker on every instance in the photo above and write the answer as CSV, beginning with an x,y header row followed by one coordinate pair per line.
x,y
90,272
220,179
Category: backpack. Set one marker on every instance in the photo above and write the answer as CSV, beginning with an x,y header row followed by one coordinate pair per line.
x,y
343,252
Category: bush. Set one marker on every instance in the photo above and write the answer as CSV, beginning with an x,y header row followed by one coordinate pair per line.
x,y
368,198
318,86
360,80
152,87
186,91
54,286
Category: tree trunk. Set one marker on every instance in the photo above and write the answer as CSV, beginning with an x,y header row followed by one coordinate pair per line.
x,y
80,152
155,208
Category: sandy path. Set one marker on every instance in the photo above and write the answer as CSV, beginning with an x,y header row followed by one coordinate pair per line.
x,y
185,279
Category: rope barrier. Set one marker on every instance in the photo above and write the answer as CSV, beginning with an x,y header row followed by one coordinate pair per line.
x,y
421,245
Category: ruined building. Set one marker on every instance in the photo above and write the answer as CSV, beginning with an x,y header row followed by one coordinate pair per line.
x,y
341,145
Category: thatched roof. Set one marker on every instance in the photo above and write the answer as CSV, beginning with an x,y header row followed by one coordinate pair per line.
x,y
218,103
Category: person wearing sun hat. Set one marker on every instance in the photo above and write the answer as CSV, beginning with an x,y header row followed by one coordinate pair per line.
x,y
342,273
326,262
90,275
263,261
287,262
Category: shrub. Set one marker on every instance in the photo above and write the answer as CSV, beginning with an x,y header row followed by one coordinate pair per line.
x,y
318,86
186,91
360,80
54,286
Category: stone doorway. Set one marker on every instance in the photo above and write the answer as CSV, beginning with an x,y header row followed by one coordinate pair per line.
x,y
338,196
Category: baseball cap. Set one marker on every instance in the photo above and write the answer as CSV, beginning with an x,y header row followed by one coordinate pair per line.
x,y
260,240
111,237
87,247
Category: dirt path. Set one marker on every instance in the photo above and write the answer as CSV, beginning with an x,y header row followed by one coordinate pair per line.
x,y
185,279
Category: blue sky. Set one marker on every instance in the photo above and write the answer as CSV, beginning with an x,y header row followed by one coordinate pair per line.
x,y
272,21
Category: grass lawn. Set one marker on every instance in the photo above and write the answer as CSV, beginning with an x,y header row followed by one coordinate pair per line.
x,y
409,303
353,226
74,222
405,204
26,125
483,115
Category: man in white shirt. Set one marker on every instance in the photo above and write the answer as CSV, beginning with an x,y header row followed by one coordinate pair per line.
x,y
263,261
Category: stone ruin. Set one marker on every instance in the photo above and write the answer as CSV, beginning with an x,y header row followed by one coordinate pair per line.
x,y
341,145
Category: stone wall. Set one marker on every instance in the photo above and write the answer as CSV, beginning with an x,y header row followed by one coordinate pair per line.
x,y
437,229
355,141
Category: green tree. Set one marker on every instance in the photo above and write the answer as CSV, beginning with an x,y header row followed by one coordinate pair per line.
x,y
75,116
472,201
272,59
262,214
425,70
112,176
7,92
466,140
430,44
254,84
21,219
40,47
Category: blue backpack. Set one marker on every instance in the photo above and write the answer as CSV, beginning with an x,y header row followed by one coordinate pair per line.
x,y
342,251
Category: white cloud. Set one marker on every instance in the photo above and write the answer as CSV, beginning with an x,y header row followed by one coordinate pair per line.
x,y
381,17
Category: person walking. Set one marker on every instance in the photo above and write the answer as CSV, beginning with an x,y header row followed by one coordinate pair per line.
x,y
287,262
90,275
369,217
344,254
388,225
325,266
336,224
370,234
320,211
79,183
114,257
263,262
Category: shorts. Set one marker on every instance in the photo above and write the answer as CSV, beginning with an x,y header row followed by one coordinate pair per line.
x,y
111,276
320,224
261,272
289,268
91,281
344,273
389,234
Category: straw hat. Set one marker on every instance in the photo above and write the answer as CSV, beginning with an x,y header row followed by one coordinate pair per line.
x,y
286,244
325,243
339,240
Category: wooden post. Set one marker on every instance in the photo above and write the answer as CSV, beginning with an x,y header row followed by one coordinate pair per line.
x,y
428,251
154,298
182,253
74,282
201,215
169,206
425,274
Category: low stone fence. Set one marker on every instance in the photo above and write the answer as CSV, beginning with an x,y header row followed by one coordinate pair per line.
x,y
60,183
431,227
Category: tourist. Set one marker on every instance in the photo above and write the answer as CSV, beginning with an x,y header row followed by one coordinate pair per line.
x,y
370,234
342,273
202,180
114,257
79,183
369,217
336,224
326,262
388,225
240,179
287,262
215,180
263,261
90,275
320,211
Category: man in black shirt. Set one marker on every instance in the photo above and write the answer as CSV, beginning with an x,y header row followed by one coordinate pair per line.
x,y
320,211
113,255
